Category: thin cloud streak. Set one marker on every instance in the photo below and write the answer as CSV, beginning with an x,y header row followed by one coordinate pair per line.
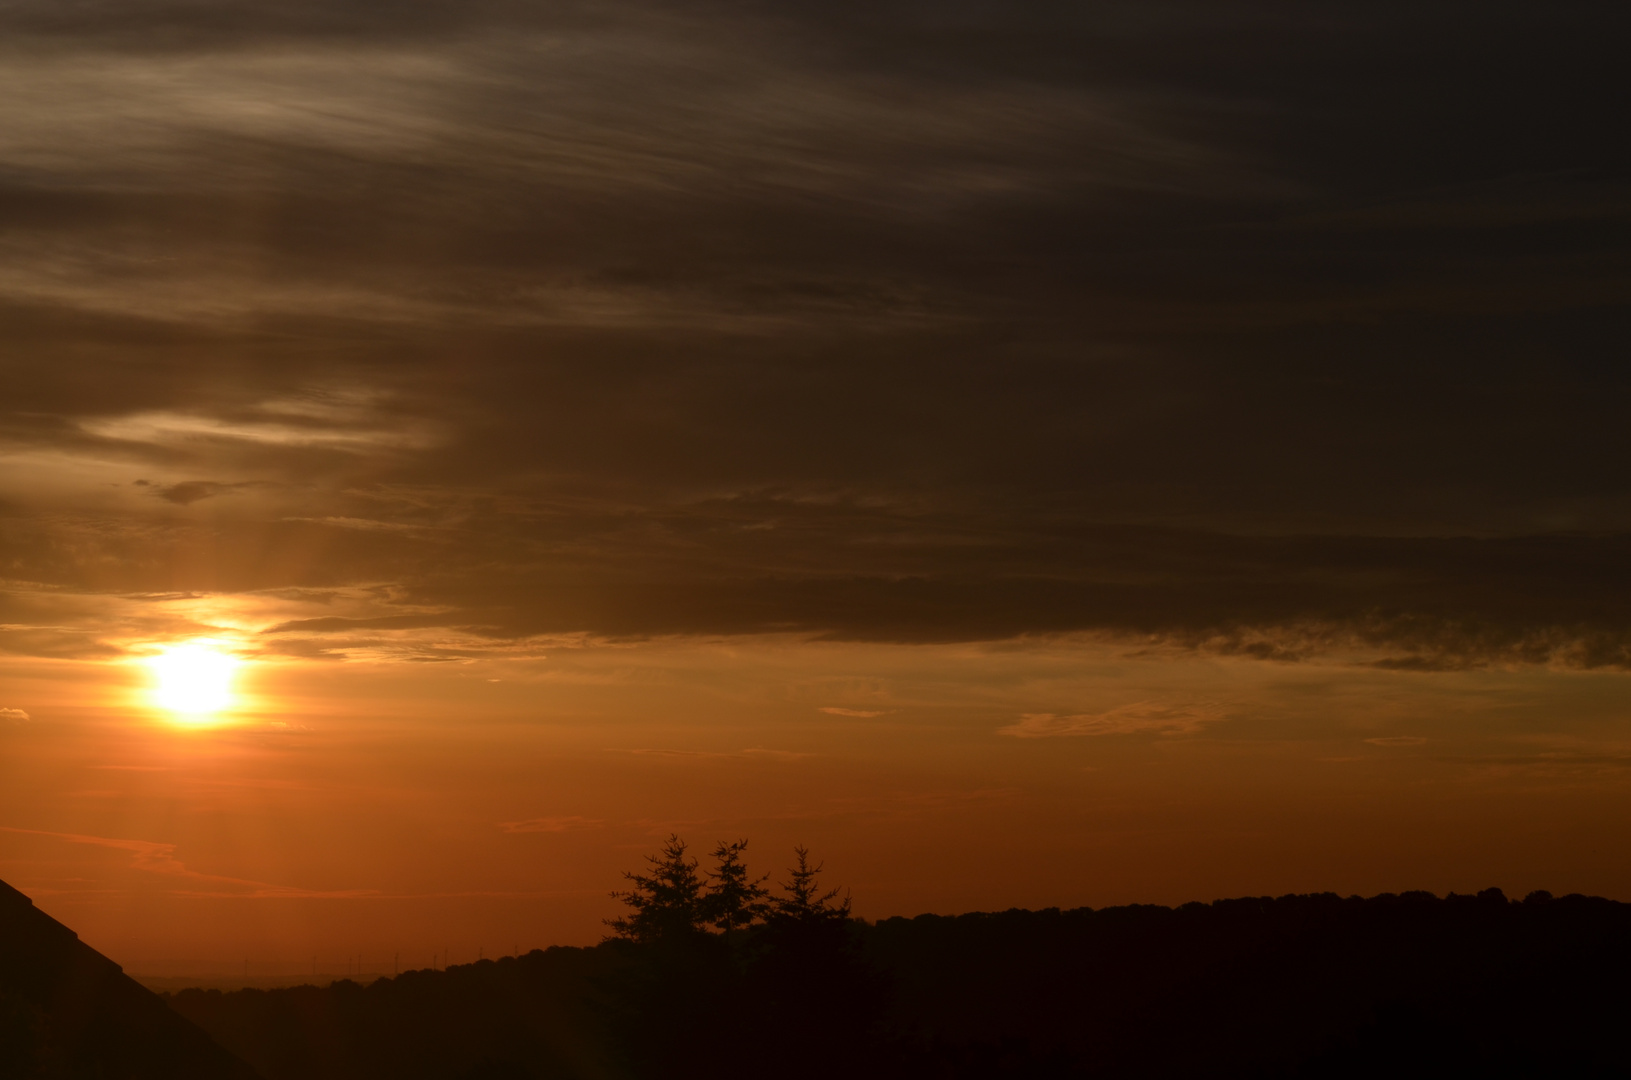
x,y
1137,718
159,858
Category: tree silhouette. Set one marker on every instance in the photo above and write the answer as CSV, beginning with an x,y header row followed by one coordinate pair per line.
x,y
734,900
804,902
667,903
812,1003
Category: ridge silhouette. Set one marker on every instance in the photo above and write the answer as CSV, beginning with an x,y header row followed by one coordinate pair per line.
x,y
1298,986
67,1011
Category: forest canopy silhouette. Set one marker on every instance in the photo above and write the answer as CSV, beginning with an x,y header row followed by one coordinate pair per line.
x,y
715,971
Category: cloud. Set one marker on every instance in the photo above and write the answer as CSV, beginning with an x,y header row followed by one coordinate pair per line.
x,y
486,580
278,425
13,716
1146,324
1397,740
190,491
160,858
837,710
1143,717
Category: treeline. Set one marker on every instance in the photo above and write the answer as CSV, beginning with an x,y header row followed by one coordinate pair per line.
x,y
676,902
700,957
773,979
711,973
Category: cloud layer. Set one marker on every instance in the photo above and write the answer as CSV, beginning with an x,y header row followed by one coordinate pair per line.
x,y
1263,330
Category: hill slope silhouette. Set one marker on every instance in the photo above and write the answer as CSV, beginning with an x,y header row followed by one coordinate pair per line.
x,y
1298,986
67,1012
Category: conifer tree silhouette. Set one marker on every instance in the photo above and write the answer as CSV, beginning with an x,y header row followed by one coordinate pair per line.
x,y
734,899
804,902
810,1000
667,903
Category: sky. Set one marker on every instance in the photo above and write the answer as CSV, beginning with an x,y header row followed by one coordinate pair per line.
x,y
1033,454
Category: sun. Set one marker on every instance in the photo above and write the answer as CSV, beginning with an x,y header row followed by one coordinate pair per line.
x,y
193,680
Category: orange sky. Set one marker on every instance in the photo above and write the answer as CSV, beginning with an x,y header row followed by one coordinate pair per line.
x,y
389,808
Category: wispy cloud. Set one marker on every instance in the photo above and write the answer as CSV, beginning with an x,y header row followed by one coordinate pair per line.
x,y
160,858
747,224
175,429
1142,717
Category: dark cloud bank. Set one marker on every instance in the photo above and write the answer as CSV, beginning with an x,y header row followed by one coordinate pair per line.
x,y
1265,328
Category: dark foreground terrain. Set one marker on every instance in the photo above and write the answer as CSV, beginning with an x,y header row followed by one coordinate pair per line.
x,y
69,1013
1299,986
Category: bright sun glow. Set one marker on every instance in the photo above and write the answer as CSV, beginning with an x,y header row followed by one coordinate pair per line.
x,y
194,680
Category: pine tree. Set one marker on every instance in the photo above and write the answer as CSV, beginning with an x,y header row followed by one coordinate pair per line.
x,y
734,900
804,902
808,986
667,903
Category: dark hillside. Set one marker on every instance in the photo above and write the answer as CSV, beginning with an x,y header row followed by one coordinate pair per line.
x,y
1300,986
1295,986
466,1021
67,1012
